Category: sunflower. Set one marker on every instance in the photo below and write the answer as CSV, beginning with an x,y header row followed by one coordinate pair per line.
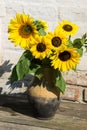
x,y
66,59
68,28
40,47
22,30
57,40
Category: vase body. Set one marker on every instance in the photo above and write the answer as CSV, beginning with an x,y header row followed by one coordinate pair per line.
x,y
43,96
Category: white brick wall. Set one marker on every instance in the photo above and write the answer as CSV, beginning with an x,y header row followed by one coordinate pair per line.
x,y
49,10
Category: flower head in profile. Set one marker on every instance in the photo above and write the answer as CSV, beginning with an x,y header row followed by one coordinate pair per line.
x,y
40,47
21,30
65,59
68,28
57,40
41,24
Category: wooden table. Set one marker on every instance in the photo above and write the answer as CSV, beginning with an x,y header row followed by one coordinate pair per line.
x,y
16,115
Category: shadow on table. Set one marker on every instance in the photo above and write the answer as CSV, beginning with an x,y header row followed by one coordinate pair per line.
x,y
16,104
23,108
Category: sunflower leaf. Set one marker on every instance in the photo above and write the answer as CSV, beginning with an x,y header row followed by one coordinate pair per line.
x,y
69,42
42,32
84,36
38,25
80,51
60,82
13,76
35,68
38,73
22,67
77,43
26,54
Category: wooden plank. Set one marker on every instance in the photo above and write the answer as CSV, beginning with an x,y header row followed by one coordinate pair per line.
x,y
11,126
71,116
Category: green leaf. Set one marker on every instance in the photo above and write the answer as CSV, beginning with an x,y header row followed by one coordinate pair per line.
x,y
26,54
35,68
39,25
84,36
13,76
38,73
69,42
77,43
22,68
42,32
60,82
80,51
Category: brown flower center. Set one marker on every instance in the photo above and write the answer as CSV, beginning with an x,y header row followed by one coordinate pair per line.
x,y
64,56
41,47
25,30
67,27
56,41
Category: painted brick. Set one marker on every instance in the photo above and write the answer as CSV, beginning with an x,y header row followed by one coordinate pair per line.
x,y
12,8
82,78
12,53
1,57
23,2
72,93
78,78
72,13
2,8
45,12
71,3
83,63
70,77
85,95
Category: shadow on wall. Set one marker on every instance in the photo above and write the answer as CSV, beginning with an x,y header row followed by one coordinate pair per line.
x,y
5,67
18,88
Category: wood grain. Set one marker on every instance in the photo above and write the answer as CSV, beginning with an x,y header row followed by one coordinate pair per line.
x,y
70,116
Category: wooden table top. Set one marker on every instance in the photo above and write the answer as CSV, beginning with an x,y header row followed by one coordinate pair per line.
x,y
18,116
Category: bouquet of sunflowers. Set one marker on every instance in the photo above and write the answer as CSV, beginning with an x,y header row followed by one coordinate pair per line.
x,y
45,48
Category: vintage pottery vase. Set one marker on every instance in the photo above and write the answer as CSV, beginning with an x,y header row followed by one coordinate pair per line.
x,y
43,96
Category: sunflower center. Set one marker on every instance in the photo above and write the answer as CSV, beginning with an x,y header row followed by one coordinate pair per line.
x,y
56,41
26,29
41,47
64,56
67,27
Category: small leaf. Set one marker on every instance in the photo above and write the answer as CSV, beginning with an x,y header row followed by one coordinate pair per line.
x,y
14,76
84,36
60,82
22,68
38,73
26,54
42,32
77,43
80,51
70,42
